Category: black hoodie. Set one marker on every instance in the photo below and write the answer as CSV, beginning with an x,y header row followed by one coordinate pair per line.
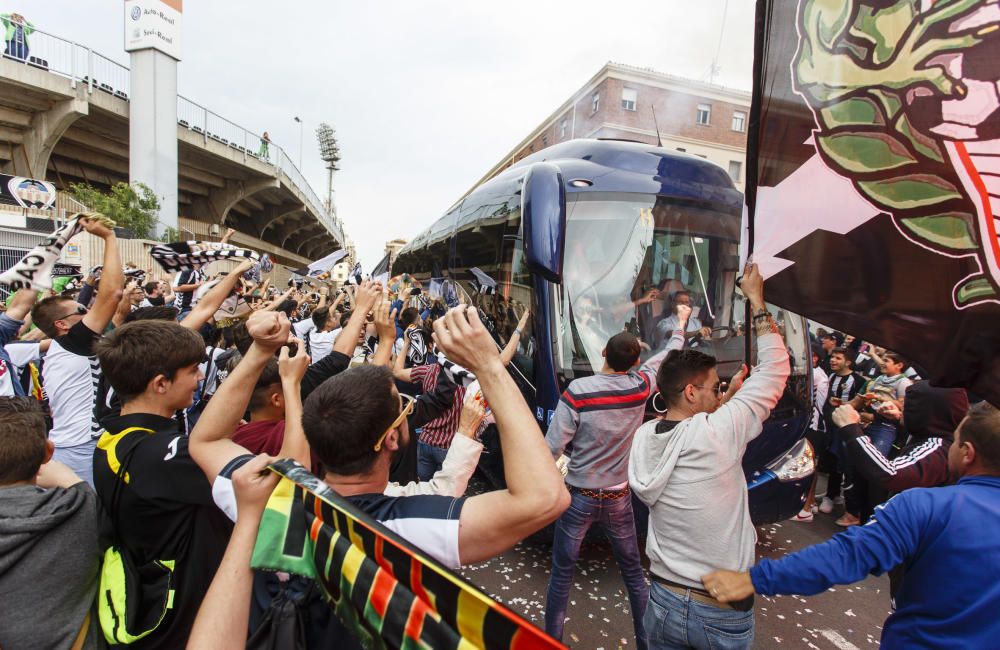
x,y
930,417
49,564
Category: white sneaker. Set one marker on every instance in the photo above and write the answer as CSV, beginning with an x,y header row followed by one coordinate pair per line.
x,y
804,515
826,505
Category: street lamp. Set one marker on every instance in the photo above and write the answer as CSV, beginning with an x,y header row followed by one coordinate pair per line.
x,y
299,120
329,152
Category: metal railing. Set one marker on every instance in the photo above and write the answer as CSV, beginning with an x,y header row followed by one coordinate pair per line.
x,y
80,64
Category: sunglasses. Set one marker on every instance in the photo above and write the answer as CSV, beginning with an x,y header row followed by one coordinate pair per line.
x,y
405,408
79,311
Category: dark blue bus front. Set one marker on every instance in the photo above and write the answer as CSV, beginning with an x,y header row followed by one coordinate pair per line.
x,y
597,237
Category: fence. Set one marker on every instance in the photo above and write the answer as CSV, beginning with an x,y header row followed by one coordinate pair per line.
x,y
82,65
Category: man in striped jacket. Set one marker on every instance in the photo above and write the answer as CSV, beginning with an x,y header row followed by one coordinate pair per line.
x,y
930,417
599,415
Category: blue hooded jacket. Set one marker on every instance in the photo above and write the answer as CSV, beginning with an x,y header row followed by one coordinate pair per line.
x,y
947,539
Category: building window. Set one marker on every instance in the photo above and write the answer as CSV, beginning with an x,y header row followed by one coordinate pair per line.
x,y
595,102
736,170
704,115
545,140
682,149
739,121
562,129
629,97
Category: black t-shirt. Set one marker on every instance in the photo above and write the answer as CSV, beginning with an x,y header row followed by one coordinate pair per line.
x,y
843,387
185,299
165,512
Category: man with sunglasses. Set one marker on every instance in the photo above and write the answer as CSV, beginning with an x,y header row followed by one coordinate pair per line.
x,y
72,371
686,466
356,423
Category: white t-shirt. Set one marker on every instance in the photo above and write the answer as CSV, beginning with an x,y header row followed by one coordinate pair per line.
x,y
21,354
303,327
70,378
321,344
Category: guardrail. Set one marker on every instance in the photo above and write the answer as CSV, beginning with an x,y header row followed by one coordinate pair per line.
x,y
80,64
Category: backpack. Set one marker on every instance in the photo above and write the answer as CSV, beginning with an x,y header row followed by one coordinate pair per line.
x,y
132,599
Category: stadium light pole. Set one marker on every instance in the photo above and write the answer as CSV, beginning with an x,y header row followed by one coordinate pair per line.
x,y
329,152
299,120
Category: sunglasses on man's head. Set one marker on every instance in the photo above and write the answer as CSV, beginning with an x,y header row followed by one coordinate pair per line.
x,y
79,311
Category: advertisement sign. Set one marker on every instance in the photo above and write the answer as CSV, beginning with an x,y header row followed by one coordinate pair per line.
x,y
873,185
153,24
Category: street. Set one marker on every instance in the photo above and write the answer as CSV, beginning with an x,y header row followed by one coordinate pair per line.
x,y
840,619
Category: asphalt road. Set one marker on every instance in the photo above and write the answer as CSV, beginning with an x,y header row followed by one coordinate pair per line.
x,y
843,618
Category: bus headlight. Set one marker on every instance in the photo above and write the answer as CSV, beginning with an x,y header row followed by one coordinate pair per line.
x,y
797,463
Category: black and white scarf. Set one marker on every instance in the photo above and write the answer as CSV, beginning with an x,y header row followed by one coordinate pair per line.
x,y
190,255
34,271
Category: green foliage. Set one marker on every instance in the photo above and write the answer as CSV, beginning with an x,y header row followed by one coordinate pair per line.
x,y
133,206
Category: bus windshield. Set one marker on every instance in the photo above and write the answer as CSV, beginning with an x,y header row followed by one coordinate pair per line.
x,y
629,260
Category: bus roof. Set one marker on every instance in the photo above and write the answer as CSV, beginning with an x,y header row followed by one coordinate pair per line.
x,y
606,166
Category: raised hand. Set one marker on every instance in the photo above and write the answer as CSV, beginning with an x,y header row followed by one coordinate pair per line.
x,y
98,225
292,367
473,412
683,314
366,295
465,340
752,284
253,484
269,329
735,383
385,321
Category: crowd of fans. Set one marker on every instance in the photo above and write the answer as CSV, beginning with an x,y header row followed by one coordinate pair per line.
x,y
138,415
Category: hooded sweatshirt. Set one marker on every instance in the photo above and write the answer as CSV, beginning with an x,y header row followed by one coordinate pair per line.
x,y
690,476
48,566
930,417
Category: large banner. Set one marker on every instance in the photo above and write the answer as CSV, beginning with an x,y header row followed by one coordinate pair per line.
x,y
873,187
382,587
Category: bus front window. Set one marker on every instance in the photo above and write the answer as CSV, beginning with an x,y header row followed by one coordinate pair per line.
x,y
629,261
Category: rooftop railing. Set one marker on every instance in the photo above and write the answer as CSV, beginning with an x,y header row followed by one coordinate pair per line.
x,y
81,65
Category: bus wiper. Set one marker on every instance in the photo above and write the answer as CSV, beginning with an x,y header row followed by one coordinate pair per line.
x,y
701,278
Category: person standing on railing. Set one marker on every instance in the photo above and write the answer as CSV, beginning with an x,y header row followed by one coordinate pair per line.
x,y
264,141
16,31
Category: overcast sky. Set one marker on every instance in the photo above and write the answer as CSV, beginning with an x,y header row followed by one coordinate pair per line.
x,y
425,96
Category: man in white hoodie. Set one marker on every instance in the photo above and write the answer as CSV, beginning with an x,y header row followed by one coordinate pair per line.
x,y
686,466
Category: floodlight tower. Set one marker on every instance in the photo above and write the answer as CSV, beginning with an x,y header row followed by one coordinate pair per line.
x,y
329,152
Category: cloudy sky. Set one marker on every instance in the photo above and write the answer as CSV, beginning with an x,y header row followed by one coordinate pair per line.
x,y
425,96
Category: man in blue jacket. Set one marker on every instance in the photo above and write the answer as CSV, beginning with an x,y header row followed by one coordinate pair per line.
x,y
948,538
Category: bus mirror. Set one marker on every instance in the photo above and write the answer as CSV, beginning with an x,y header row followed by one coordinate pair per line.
x,y
543,211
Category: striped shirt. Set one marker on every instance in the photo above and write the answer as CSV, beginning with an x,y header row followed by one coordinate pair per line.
x,y
440,431
599,415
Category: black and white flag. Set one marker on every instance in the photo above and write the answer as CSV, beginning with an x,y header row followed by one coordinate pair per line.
x,y
320,269
381,271
190,255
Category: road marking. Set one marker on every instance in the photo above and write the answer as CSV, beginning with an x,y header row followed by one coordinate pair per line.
x,y
837,640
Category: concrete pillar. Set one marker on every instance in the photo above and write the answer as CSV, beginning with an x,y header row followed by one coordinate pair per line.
x,y
44,132
153,129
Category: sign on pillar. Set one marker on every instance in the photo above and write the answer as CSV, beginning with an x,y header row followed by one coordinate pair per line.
x,y
153,41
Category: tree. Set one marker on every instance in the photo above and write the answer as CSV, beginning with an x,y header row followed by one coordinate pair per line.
x,y
133,206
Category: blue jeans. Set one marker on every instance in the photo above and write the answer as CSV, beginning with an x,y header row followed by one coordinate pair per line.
x,y
79,458
429,460
883,434
675,621
615,517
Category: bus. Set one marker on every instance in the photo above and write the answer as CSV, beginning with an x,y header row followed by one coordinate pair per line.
x,y
598,236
